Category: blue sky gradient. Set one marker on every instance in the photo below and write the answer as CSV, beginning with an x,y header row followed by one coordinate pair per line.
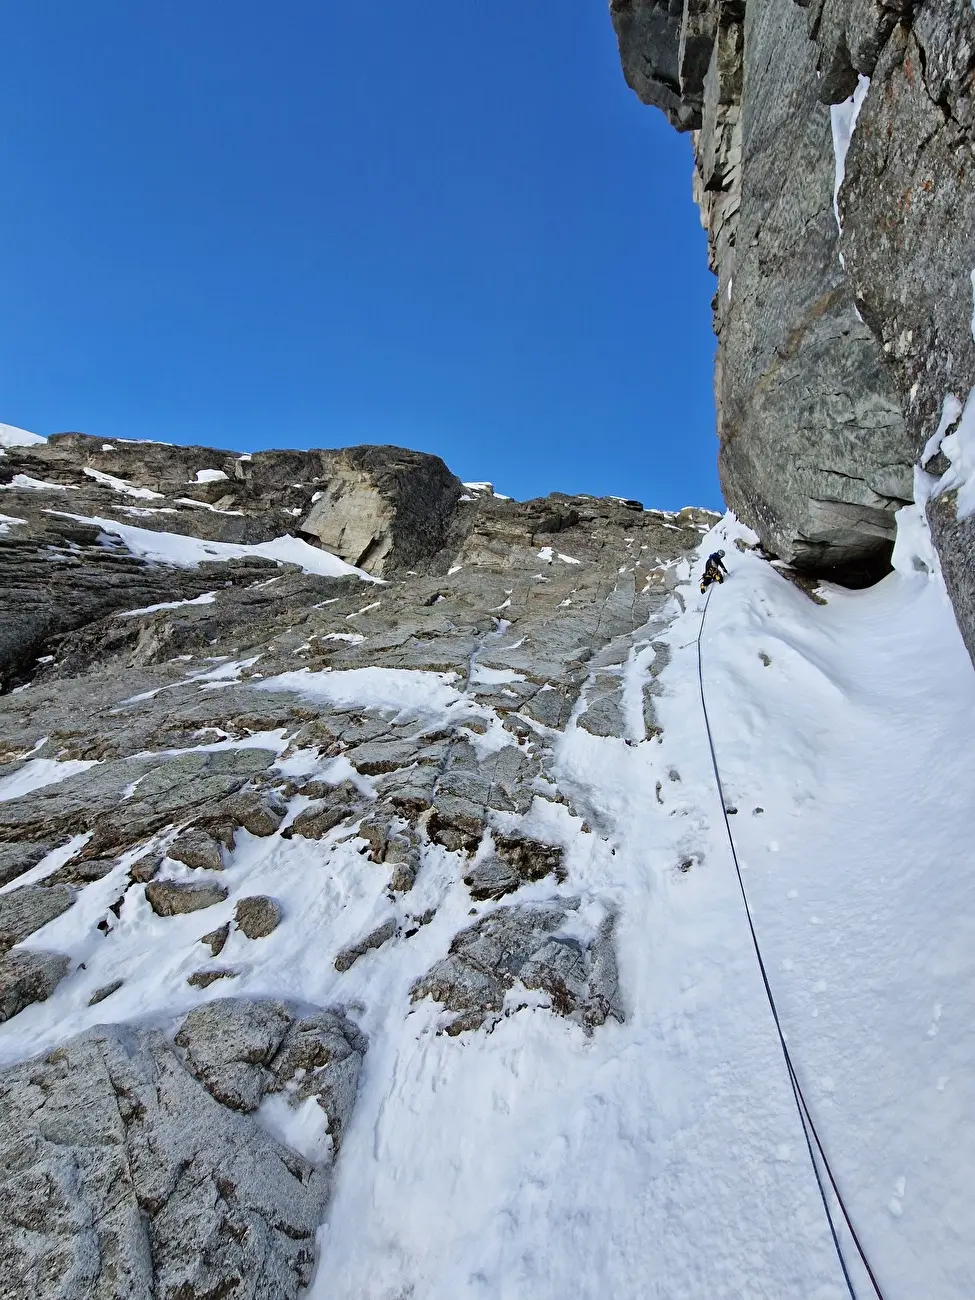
x,y
448,226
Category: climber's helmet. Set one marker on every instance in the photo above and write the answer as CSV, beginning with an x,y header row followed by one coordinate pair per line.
x,y
720,554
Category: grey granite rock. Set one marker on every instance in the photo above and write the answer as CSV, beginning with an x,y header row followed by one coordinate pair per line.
x,y
15,859
123,1175
229,1045
196,849
106,991
29,976
374,939
908,211
318,819
259,812
384,508
257,916
403,854
523,944
176,897
381,756
655,51
202,979
188,1195
166,790
492,879
814,450
956,547
532,859
80,871
24,910
216,939
517,860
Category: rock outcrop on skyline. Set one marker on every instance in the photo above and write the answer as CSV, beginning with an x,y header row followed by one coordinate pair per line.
x,y
837,351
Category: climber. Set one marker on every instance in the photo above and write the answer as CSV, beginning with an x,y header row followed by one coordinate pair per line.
x,y
714,570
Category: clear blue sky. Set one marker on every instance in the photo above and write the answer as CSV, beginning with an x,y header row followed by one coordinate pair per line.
x,y
308,223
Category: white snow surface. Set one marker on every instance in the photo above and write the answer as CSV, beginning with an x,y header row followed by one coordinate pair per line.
x,y
659,1159
120,485
35,485
401,692
37,773
209,476
207,598
11,436
205,505
188,552
301,1127
959,447
843,119
549,554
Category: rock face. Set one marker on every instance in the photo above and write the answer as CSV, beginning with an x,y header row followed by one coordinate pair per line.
x,y
515,861
298,784
654,57
174,898
196,849
836,352
384,508
26,909
132,1166
257,917
379,507
524,944
27,977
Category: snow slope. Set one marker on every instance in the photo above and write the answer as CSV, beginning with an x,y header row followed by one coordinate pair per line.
x,y
663,1158
11,436
188,552
660,1159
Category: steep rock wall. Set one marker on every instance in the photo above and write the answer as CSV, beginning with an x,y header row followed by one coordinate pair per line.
x,y
836,350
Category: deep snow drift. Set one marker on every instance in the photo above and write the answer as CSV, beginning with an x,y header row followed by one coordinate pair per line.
x,y
661,1157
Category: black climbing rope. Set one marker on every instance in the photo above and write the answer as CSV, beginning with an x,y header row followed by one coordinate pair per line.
x,y
809,1130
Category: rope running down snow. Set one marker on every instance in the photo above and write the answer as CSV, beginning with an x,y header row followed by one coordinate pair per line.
x,y
808,1127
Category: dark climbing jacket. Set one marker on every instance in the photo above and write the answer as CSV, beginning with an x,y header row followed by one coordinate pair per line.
x,y
714,570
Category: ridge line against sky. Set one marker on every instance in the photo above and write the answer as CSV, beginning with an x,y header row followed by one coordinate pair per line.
x,y
456,230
